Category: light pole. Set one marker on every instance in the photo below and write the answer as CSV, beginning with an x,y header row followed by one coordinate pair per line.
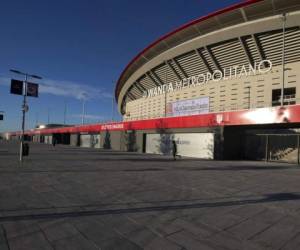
x,y
24,106
48,120
65,112
283,56
112,104
83,111
166,93
36,119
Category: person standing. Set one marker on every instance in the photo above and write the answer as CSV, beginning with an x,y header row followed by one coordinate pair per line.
x,y
174,149
53,141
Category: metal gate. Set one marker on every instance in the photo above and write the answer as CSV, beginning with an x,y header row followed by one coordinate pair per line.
x,y
284,148
272,147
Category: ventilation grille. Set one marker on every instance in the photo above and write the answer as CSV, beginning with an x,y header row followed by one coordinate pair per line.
x,y
165,73
146,82
208,59
191,63
229,54
272,45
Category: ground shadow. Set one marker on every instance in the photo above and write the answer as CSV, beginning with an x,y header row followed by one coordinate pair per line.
x,y
268,198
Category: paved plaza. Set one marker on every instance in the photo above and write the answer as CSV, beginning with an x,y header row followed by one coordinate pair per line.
x,y
80,198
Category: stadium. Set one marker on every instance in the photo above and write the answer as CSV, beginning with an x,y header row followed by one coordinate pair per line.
x,y
223,86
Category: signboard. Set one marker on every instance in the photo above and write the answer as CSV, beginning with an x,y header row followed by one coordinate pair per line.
x,y
16,87
234,72
48,139
32,89
199,145
116,126
95,141
85,141
189,107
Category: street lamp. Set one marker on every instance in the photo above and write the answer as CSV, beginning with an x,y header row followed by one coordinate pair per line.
x,y
24,106
112,104
65,111
84,95
48,120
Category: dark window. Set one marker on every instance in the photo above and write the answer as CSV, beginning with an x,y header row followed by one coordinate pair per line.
x,y
289,96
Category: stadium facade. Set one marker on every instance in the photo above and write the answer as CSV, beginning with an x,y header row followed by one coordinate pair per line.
x,y
224,86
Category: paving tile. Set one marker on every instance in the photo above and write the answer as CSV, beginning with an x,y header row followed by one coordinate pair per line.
x,y
59,231
121,224
45,223
93,230
222,222
32,241
225,240
19,228
248,228
277,235
162,244
143,237
200,229
164,224
118,243
293,243
70,179
76,242
248,211
269,216
189,241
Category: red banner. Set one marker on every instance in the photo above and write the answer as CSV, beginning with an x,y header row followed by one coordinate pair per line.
x,y
274,115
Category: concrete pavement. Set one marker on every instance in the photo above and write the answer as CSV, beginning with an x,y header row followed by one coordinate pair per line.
x,y
76,198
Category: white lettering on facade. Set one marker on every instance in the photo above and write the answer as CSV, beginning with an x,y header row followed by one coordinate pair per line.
x,y
233,72
112,126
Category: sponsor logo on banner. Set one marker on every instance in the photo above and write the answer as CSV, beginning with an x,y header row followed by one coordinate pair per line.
x,y
32,89
189,107
16,87
219,118
112,126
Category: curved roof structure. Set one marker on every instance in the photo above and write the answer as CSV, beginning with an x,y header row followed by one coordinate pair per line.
x,y
244,12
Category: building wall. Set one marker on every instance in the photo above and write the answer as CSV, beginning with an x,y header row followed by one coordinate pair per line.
x,y
74,139
112,140
223,95
140,137
224,53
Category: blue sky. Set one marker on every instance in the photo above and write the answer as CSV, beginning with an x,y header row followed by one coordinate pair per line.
x,y
80,48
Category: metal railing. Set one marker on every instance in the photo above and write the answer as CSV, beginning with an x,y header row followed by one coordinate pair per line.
x,y
273,147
